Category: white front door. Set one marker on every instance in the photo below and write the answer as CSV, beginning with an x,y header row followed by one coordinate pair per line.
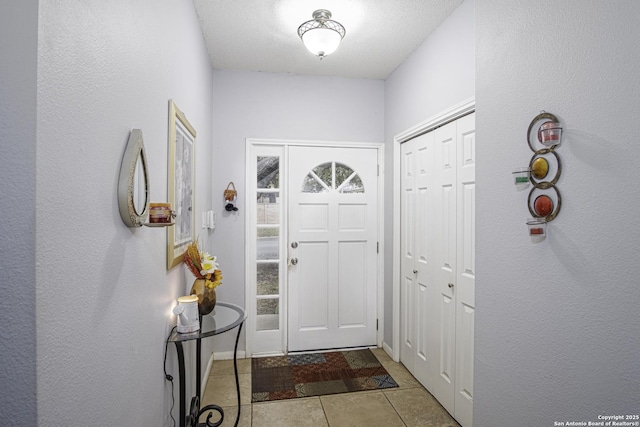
x,y
333,223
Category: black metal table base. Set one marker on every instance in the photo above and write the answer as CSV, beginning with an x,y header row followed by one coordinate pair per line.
x,y
192,419
195,413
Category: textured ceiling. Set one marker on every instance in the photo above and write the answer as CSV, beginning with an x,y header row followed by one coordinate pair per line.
x,y
260,35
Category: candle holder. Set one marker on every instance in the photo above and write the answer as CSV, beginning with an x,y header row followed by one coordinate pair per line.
x,y
543,173
550,134
545,128
160,212
521,176
537,227
160,215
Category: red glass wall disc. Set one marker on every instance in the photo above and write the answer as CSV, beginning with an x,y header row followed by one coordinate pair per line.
x,y
543,205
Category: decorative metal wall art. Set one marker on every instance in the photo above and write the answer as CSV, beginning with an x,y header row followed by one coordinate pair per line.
x,y
543,172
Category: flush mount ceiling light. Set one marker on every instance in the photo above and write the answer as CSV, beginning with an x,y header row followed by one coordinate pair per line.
x,y
321,36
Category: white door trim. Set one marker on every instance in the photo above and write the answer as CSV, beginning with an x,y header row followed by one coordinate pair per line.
x,y
453,113
250,144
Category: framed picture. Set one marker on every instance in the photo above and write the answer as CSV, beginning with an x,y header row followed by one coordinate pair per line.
x,y
181,185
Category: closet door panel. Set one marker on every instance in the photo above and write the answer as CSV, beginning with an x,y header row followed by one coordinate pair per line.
x,y
425,291
407,261
466,269
445,177
463,401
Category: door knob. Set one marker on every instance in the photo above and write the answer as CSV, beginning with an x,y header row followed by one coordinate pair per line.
x,y
450,285
415,271
294,261
294,245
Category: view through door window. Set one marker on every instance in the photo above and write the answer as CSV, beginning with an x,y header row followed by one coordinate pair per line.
x,y
267,243
332,176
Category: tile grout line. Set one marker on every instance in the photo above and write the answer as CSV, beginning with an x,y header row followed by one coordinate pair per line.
x,y
394,409
323,411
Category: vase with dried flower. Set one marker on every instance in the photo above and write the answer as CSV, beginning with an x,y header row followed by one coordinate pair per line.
x,y
208,277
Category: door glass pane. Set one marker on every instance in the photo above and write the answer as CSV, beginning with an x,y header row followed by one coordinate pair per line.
x,y
268,306
268,231
354,185
267,279
268,208
267,314
332,176
342,172
268,172
323,172
267,243
312,185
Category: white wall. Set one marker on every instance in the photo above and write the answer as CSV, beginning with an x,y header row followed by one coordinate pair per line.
x,y
557,325
18,22
103,293
438,75
279,106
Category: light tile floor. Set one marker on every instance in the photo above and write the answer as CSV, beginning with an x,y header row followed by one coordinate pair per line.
x,y
409,405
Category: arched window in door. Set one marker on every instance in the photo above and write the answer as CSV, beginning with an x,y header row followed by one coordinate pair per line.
x,y
332,177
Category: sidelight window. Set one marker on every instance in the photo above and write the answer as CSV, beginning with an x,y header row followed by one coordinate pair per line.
x,y
268,227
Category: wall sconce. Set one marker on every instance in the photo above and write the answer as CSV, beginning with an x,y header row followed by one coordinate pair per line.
x,y
543,173
133,188
321,36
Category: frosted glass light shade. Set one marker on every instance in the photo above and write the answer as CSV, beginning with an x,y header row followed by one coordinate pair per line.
x,y
321,36
321,41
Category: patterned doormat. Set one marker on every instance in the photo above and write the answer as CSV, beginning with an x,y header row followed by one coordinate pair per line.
x,y
304,375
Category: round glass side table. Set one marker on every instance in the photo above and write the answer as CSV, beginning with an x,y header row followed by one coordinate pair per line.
x,y
224,317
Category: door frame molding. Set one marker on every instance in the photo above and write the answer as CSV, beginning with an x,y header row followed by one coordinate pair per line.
x,y
250,304
453,113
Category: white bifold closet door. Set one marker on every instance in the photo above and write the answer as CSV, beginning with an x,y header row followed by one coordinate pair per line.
x,y
438,263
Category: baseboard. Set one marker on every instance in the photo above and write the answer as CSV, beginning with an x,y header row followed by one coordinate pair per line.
x,y
207,372
228,355
387,349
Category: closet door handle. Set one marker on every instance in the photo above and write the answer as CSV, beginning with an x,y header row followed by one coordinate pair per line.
x,y
450,285
415,271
